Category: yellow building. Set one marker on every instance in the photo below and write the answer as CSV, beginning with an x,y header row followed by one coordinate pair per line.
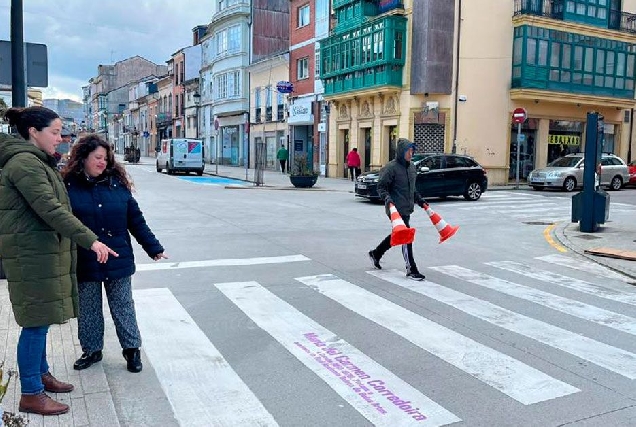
x,y
451,82
268,118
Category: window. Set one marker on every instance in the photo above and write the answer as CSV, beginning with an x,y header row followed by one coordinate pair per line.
x,y
228,85
280,108
234,38
221,42
397,48
303,16
302,68
257,104
268,103
224,4
317,64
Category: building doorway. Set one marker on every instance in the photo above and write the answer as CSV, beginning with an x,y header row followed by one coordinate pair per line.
x,y
367,149
392,143
344,137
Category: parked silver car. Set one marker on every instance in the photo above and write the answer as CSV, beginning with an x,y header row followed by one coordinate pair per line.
x,y
567,173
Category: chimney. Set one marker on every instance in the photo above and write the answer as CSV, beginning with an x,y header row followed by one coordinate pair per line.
x,y
197,34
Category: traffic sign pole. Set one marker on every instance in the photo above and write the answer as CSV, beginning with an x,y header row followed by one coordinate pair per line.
x,y
518,153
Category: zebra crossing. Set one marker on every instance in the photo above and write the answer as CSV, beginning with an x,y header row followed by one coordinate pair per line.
x,y
370,386
528,206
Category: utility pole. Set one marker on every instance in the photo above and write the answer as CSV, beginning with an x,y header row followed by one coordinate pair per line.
x,y
18,72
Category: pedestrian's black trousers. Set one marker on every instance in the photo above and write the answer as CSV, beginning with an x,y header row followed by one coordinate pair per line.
x,y
407,250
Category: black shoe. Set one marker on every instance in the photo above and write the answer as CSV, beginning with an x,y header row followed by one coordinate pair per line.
x,y
374,261
87,360
133,359
416,275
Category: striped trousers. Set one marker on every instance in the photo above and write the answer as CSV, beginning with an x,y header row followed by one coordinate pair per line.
x,y
122,309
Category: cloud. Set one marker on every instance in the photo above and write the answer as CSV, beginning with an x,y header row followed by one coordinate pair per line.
x,y
82,34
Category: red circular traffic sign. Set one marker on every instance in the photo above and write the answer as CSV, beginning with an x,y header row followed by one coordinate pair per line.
x,y
519,115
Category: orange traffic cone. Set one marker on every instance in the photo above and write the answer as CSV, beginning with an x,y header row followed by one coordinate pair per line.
x,y
401,234
443,228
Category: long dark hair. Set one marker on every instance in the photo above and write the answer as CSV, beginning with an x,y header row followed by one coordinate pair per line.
x,y
25,118
85,146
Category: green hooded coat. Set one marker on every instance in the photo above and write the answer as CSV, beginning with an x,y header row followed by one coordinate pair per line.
x,y
38,233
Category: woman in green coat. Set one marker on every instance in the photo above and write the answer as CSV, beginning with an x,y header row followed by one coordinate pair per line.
x,y
38,234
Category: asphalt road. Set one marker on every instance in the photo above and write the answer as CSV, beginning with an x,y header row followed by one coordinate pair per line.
x,y
268,313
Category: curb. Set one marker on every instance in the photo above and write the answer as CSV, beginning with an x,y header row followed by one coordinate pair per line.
x,y
560,235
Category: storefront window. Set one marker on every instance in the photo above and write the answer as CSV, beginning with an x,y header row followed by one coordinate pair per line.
x,y
564,138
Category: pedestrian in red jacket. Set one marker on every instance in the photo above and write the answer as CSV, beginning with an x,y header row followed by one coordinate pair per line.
x,y
353,163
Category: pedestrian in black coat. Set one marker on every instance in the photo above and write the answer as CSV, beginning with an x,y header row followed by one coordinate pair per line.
x,y
101,197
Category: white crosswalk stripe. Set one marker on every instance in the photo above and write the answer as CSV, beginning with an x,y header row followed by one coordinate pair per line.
x,y
583,265
370,390
567,282
527,205
358,379
612,358
192,372
578,309
511,377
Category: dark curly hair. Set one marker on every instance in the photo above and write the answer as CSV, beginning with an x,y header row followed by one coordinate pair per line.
x,y
85,146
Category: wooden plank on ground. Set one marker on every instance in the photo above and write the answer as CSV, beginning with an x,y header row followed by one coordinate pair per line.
x,y
613,253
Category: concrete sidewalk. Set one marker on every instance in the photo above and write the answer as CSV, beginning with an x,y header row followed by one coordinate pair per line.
x,y
279,181
617,233
91,402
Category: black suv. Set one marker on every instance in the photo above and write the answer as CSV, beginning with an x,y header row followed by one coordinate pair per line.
x,y
438,175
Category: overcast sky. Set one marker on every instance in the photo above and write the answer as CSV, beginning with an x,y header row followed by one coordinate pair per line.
x,y
82,34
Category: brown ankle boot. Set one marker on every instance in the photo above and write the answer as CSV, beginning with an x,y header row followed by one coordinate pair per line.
x,y
53,385
41,404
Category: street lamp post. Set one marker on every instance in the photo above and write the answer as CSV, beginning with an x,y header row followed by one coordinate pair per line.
x,y
197,101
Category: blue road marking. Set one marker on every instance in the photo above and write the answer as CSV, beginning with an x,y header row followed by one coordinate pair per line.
x,y
212,180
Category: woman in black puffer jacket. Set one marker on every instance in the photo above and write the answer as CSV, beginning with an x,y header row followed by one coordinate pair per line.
x,y
100,193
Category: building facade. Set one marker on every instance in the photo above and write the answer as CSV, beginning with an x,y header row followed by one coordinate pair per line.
x,y
102,110
308,24
268,110
66,108
240,32
164,109
451,82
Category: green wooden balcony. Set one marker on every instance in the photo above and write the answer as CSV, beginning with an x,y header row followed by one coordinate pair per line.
x,y
568,62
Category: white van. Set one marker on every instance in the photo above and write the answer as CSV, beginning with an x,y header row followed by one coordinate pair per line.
x,y
181,155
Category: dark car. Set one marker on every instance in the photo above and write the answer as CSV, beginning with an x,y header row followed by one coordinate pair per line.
x,y
438,175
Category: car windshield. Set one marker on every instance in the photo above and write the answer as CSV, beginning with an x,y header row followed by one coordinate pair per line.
x,y
632,163
564,162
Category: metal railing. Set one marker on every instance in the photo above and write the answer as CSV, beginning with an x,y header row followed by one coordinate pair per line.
x,y
618,20
548,8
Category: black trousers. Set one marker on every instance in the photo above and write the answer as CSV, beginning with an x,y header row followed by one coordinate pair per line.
x,y
353,170
282,165
407,250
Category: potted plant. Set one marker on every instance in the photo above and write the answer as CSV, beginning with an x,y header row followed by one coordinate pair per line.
x,y
302,173
8,419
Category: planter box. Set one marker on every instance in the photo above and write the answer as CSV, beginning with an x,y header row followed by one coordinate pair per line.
x,y
303,181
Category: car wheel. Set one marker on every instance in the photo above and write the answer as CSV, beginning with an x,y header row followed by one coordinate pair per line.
x,y
159,168
200,172
170,171
617,183
538,188
569,184
473,191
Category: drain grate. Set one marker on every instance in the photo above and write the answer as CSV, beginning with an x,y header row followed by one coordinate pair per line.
x,y
538,223
587,237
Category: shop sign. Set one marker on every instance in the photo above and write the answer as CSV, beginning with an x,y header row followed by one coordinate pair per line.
x,y
300,112
565,139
